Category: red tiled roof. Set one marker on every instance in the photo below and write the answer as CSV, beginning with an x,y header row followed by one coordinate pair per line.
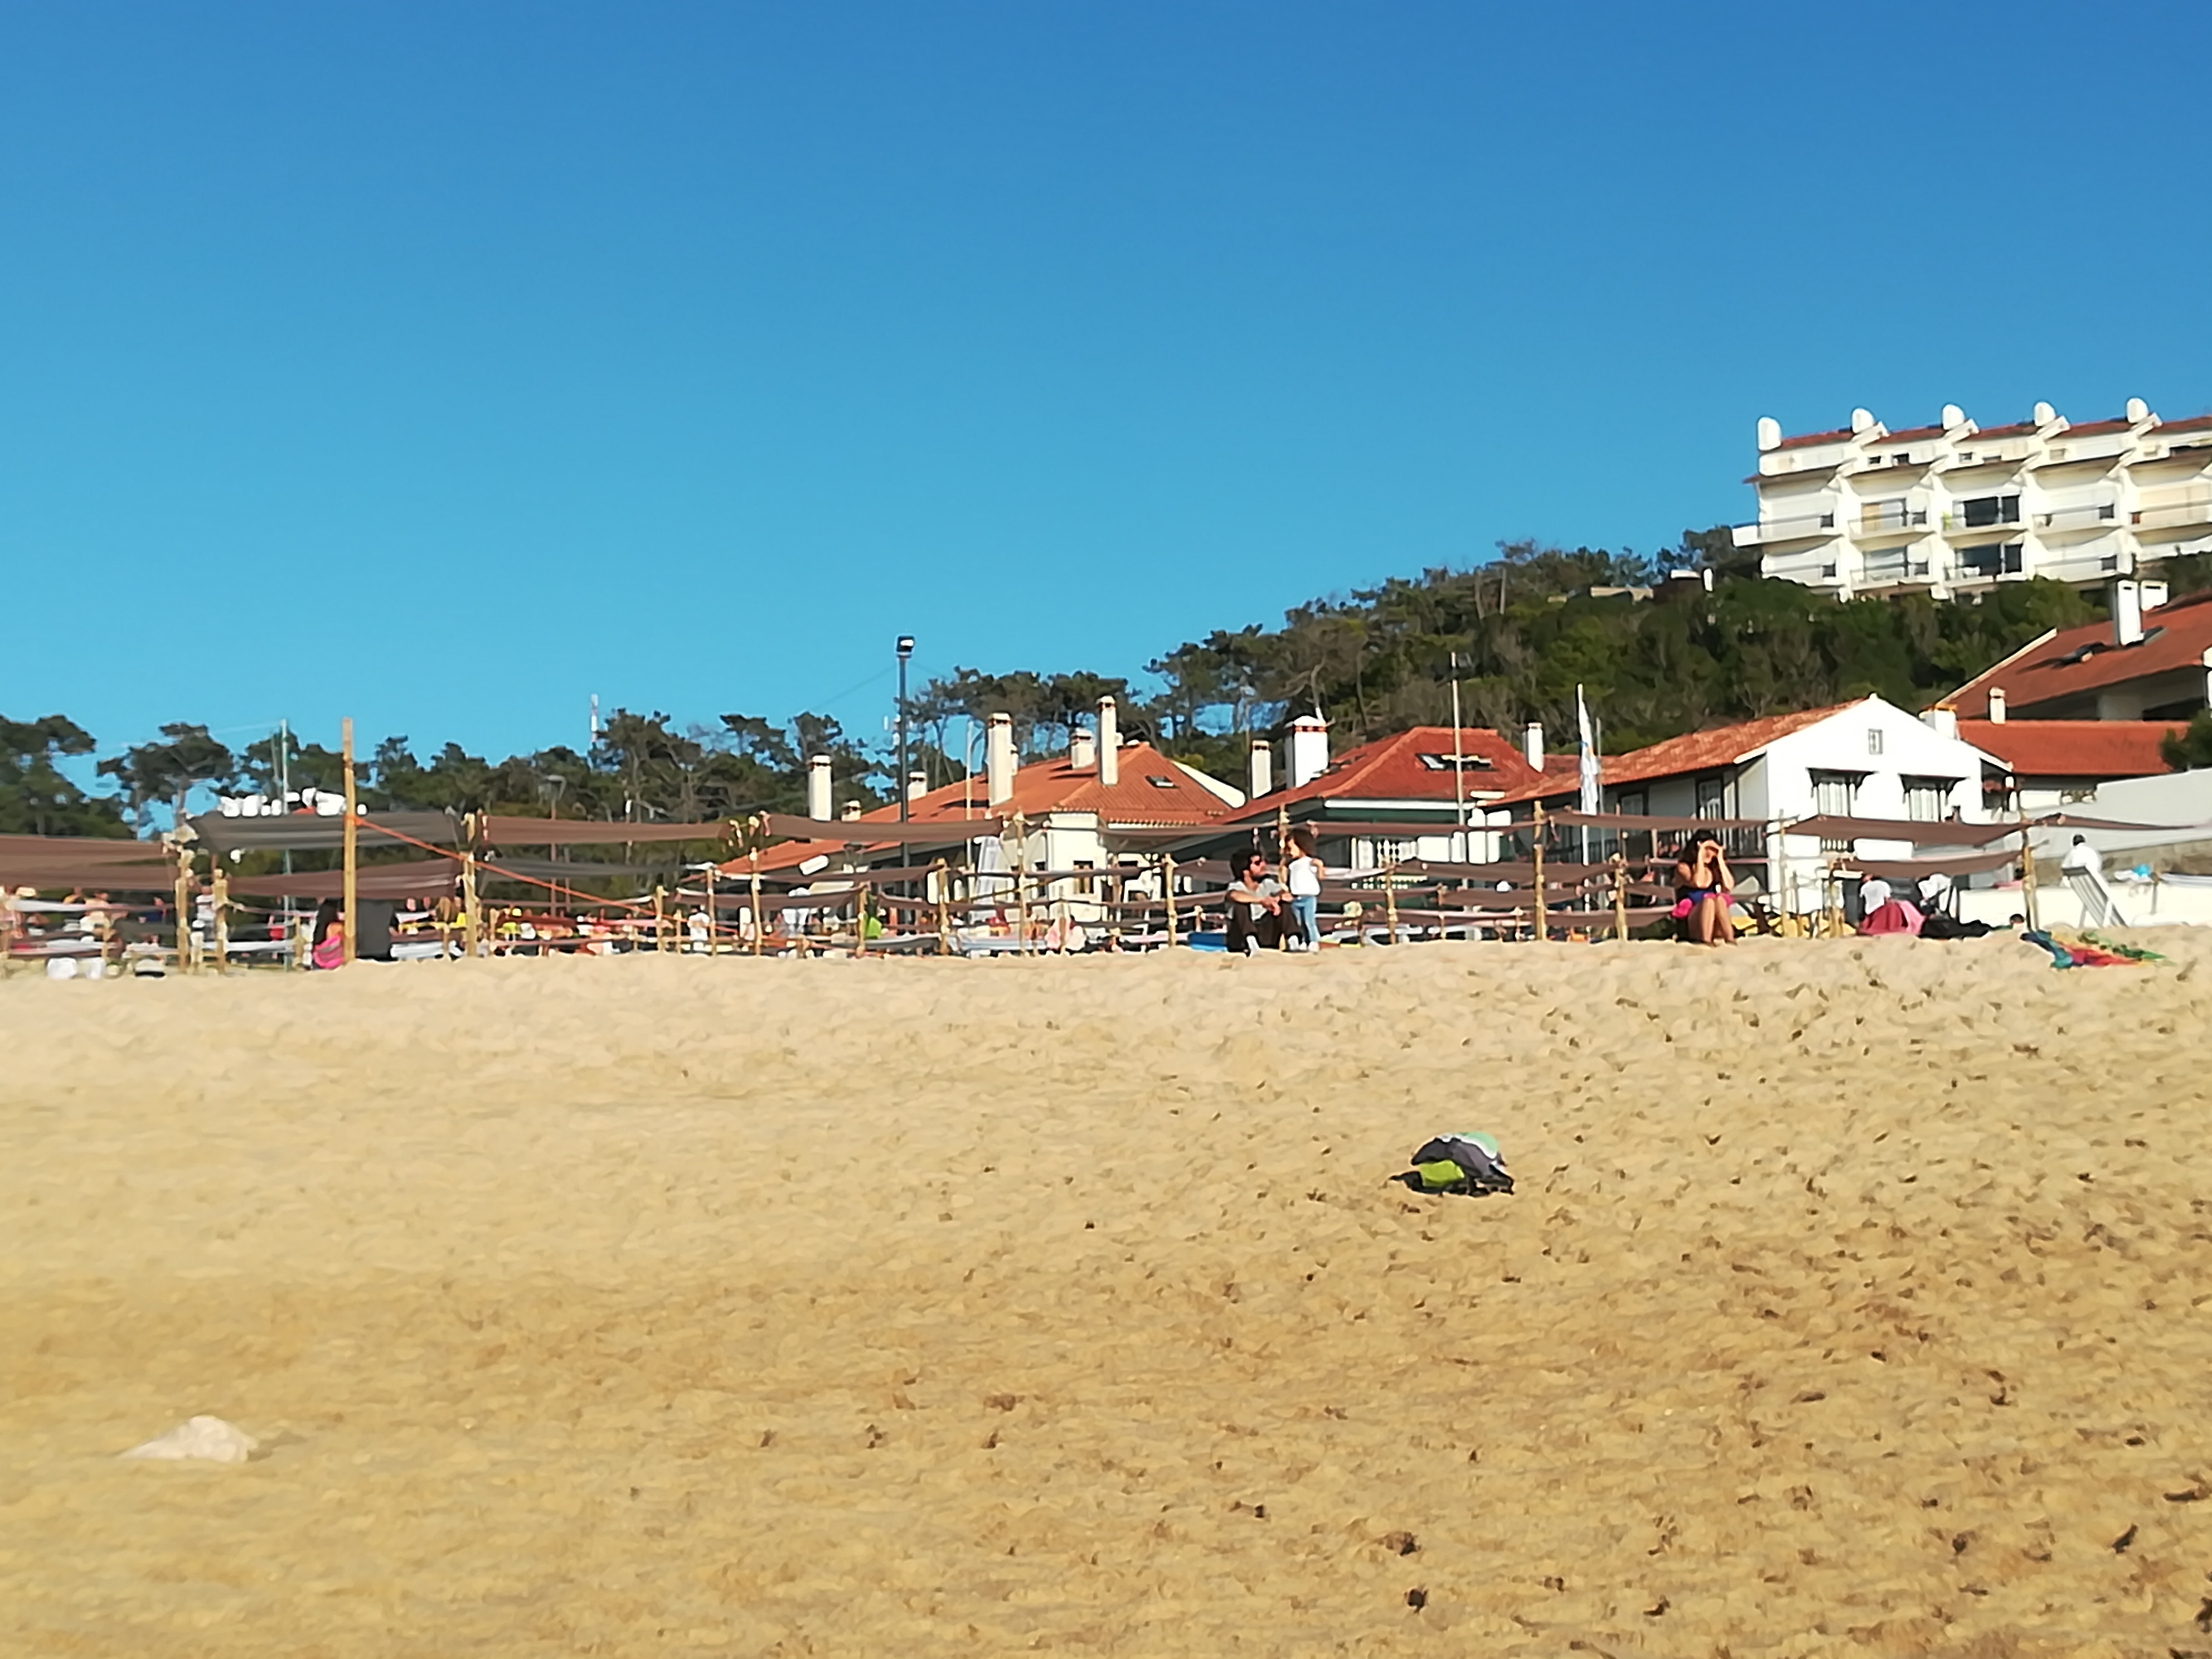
x,y
2194,423
1391,769
2072,749
1914,435
2097,429
1807,439
1176,800
2017,429
1562,775
1706,751
1693,752
2074,660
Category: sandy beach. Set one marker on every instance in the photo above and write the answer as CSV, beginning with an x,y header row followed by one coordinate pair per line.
x,y
1853,1300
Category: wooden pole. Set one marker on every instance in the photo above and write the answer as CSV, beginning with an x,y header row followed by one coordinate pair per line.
x,y
940,877
860,920
659,917
220,922
1536,845
1390,896
1620,898
1022,879
2026,871
471,911
759,922
712,944
351,882
184,908
1167,886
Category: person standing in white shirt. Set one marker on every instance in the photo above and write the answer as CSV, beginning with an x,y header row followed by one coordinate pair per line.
x,y
1303,877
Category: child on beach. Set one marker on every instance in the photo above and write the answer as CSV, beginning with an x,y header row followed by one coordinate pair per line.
x,y
1303,877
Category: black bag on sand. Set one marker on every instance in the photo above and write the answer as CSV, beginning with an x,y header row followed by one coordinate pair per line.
x,y
1458,1163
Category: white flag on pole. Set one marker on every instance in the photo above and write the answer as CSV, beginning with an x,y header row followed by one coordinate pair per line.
x,y
1588,767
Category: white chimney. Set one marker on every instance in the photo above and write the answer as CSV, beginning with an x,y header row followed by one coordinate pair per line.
x,y
818,788
852,811
1996,705
1262,769
2154,594
1953,417
1770,434
1082,749
2207,660
2044,414
1863,420
2127,613
1532,745
1110,743
2138,411
998,759
917,785
1943,720
1308,748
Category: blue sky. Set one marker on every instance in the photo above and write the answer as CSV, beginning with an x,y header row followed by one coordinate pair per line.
x,y
446,364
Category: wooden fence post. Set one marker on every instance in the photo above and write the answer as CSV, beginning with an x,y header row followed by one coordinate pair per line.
x,y
184,908
1167,886
1536,846
1620,898
351,881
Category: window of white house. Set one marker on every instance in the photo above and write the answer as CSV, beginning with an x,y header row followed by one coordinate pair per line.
x,y
1632,803
1712,797
1927,799
1874,740
1086,885
1836,794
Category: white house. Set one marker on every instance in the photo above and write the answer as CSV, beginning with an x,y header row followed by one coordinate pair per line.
x,y
1868,759
1956,507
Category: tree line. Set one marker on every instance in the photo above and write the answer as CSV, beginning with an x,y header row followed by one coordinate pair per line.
x,y
1656,656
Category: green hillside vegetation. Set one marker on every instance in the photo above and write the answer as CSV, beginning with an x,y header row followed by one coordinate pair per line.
x,y
1518,633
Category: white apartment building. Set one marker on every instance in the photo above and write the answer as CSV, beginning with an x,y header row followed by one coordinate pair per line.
x,y
1957,508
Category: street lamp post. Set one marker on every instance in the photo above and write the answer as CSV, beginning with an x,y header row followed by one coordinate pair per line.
x,y
905,651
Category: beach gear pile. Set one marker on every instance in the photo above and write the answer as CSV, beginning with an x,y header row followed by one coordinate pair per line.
x,y
2091,953
1469,1164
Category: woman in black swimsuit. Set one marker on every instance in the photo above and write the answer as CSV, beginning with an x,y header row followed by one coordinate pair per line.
x,y
1704,881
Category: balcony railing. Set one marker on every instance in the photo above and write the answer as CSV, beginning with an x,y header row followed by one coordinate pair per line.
x,y
2198,510
2068,518
1957,523
1797,528
1888,518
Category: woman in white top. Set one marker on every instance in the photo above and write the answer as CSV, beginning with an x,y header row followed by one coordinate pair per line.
x,y
1304,878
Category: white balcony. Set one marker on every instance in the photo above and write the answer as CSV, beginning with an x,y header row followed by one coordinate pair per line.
x,y
1798,527
2088,515
1878,520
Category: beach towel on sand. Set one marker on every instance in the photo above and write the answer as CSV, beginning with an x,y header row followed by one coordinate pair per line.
x,y
1467,1164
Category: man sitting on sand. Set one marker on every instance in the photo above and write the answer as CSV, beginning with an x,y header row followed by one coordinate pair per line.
x,y
1256,905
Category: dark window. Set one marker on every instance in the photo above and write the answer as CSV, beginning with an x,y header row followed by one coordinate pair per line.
x,y
1989,509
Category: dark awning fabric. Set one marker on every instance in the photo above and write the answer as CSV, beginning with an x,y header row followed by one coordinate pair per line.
x,y
862,832
499,830
490,869
1640,821
84,861
416,878
2076,821
304,832
106,877
1972,864
1920,833
79,848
